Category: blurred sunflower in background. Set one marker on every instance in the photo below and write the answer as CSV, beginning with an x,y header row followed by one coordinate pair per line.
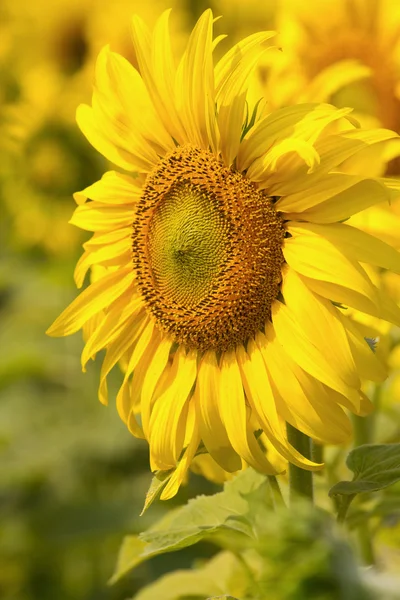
x,y
222,266
45,159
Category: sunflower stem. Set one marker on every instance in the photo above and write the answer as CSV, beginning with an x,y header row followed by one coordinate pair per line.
x,y
300,480
363,434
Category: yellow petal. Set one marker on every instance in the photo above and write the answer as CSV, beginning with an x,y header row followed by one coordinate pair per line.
x,y
312,191
334,77
157,69
194,87
114,320
368,364
112,188
345,204
115,351
283,160
180,472
96,216
352,242
234,415
232,76
300,398
154,370
320,322
139,349
128,402
93,299
295,343
119,254
317,258
212,429
121,76
107,143
260,395
168,418
303,121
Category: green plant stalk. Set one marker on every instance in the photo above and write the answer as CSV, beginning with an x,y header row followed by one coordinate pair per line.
x,y
300,480
363,434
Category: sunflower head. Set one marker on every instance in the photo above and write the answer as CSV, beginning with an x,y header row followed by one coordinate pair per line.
x,y
223,263
207,250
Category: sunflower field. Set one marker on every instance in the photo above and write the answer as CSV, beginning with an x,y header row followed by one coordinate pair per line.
x,y
200,300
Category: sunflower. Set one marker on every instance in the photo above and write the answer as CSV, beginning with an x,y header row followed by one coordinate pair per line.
x,y
222,264
321,55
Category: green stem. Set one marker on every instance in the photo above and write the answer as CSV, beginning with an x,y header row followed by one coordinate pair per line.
x,y
318,453
300,480
363,428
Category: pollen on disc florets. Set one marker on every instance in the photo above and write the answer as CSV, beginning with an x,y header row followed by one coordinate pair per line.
x,y
207,249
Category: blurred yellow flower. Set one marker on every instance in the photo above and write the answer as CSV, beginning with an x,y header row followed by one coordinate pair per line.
x,y
328,55
224,257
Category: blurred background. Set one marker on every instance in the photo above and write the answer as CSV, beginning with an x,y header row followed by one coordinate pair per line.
x,y
73,479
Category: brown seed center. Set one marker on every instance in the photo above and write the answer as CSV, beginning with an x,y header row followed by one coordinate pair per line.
x,y
207,249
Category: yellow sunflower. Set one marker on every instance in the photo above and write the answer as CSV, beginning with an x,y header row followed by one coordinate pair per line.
x,y
321,55
223,266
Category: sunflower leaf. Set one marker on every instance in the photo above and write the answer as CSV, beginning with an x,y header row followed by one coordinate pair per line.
x,y
375,466
159,480
224,572
238,510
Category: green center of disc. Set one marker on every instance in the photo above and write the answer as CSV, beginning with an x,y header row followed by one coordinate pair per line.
x,y
187,244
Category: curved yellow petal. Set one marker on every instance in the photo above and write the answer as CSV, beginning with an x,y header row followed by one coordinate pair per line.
x,y
168,418
121,76
156,66
298,395
154,369
112,188
140,347
259,394
368,364
96,216
108,141
111,325
232,77
352,242
341,206
295,343
93,299
282,161
192,432
303,121
212,429
115,350
233,412
194,86
118,253
317,258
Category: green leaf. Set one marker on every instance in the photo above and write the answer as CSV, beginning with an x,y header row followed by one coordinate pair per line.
x,y
233,509
159,480
129,556
223,573
375,466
